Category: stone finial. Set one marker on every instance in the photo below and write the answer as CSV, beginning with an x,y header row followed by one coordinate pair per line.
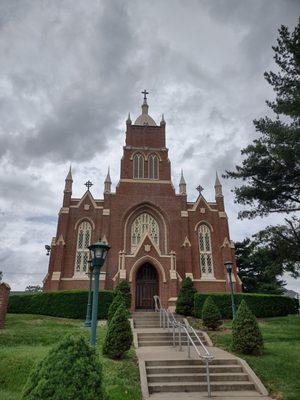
x,y
218,187
69,181
162,122
107,183
129,122
182,184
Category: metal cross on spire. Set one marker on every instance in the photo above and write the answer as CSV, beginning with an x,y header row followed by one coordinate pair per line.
x,y
145,94
88,184
200,189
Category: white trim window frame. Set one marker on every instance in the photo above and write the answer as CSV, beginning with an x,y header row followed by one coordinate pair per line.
x,y
153,164
205,251
138,166
142,224
84,236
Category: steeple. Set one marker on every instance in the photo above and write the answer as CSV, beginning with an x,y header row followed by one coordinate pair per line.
x,y
68,182
144,118
182,185
218,187
107,183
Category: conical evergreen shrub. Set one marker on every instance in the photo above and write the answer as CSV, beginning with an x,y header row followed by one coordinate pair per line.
x,y
185,299
211,316
71,370
118,299
119,336
246,335
124,288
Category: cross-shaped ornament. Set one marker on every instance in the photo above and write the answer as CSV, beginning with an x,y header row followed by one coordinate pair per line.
x,y
199,188
88,184
145,94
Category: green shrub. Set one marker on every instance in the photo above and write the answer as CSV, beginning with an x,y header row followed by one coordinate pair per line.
x,y
246,335
211,316
262,305
118,299
71,370
119,336
123,287
185,299
65,304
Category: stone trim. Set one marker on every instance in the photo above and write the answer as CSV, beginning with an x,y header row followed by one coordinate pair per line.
x,y
184,213
169,182
56,276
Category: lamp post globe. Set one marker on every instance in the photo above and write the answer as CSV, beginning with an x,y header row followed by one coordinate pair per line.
x,y
99,252
229,266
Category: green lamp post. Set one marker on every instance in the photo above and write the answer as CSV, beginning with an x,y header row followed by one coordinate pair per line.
x,y
99,252
87,322
228,266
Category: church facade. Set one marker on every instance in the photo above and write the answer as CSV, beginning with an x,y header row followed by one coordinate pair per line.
x,y
157,236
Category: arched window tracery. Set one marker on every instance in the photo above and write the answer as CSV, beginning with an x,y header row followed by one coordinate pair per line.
x,y
142,224
205,250
153,164
138,166
82,252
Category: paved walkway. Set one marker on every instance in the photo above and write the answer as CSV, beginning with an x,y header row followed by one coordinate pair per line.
x,y
169,353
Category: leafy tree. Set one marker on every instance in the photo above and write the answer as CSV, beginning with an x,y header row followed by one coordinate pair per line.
x,y
1,276
71,370
118,299
259,267
119,336
271,168
33,289
185,300
246,335
124,288
211,316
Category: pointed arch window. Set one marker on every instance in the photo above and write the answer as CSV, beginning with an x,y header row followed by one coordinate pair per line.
x,y
205,250
82,252
153,164
138,166
142,224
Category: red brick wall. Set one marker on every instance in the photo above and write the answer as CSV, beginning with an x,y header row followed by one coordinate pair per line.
x,y
4,294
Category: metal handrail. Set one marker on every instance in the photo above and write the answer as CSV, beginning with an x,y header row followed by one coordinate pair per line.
x,y
168,320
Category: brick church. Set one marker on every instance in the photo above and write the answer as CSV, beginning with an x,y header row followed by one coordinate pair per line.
x,y
157,236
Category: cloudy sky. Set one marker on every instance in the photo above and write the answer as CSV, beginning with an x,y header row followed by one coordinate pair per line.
x,y
72,70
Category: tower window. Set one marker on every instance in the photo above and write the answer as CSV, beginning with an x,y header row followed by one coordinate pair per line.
x,y
153,164
144,223
138,166
82,252
205,251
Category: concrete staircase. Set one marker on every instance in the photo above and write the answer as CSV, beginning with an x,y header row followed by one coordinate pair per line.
x,y
165,338
189,376
146,320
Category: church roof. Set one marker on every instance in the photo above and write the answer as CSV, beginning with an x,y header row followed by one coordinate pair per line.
x,y
144,118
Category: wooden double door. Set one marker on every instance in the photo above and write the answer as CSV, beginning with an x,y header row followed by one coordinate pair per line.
x,y
146,287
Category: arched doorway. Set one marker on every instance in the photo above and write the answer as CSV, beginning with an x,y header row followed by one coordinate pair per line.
x,y
146,287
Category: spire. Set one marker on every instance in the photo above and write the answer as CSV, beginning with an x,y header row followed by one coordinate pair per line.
x,y
162,122
107,183
69,181
144,118
218,187
145,106
128,122
182,185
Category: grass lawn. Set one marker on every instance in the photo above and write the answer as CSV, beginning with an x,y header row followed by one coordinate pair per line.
x,y
279,366
27,339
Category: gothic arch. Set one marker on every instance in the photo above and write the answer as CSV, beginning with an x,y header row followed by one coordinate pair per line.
x,y
78,222
205,223
153,261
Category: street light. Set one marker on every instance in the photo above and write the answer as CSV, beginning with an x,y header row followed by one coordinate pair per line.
x,y
228,266
99,252
89,304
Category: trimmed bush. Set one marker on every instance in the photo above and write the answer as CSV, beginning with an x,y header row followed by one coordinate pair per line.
x,y
185,299
246,335
65,304
119,336
211,316
118,299
123,287
262,305
71,370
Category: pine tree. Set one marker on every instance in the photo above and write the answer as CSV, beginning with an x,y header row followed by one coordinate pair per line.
x,y
71,370
118,299
124,288
246,335
119,336
185,299
211,316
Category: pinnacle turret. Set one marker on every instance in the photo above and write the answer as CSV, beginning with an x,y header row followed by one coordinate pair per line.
x,y
182,185
129,122
107,183
218,187
162,122
69,181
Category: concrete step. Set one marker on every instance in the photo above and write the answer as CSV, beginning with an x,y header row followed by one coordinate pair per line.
x,y
155,363
167,343
200,387
197,377
186,369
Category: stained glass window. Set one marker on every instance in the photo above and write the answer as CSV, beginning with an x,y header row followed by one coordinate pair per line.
x,y
143,223
153,164
206,261
138,166
83,241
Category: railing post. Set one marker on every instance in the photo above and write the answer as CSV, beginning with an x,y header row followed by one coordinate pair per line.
x,y
180,345
160,318
208,378
189,350
173,335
